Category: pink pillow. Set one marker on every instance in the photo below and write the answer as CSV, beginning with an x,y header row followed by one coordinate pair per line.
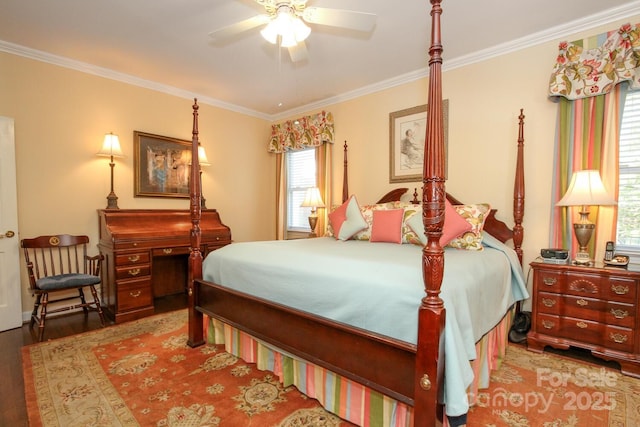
x,y
387,226
454,225
346,220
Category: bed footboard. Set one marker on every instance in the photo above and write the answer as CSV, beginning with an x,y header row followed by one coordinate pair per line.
x,y
316,339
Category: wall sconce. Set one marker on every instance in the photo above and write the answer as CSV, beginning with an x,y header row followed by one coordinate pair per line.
x,y
313,200
585,189
111,148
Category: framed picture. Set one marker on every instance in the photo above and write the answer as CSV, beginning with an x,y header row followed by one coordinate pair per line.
x,y
407,131
162,166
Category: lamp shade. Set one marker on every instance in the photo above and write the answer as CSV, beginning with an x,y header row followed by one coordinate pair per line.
x,y
313,199
111,146
586,188
202,157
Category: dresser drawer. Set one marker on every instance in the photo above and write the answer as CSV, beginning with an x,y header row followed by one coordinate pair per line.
x,y
134,294
584,285
596,333
620,289
549,281
133,258
133,271
598,310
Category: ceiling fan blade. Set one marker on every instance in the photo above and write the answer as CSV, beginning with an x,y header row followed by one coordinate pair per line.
x,y
232,30
298,52
360,21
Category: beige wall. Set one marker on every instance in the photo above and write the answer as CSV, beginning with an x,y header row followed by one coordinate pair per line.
x,y
61,116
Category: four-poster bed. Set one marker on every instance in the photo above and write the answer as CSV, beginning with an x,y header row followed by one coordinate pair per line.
x,y
409,371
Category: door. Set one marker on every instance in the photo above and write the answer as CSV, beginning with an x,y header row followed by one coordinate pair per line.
x,y
10,289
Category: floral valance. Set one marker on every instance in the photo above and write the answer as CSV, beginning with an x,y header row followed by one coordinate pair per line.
x,y
308,131
593,66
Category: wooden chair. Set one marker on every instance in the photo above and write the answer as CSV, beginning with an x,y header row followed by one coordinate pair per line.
x,y
56,264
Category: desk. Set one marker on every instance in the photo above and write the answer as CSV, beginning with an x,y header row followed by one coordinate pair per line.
x,y
146,256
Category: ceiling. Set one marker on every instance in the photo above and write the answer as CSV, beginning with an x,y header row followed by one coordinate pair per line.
x,y
164,44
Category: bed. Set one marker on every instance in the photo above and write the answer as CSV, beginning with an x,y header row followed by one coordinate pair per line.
x,y
407,367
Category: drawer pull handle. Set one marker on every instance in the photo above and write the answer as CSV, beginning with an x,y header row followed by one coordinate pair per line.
x,y
134,272
618,338
581,325
134,258
548,302
548,324
582,302
620,289
217,237
549,281
167,250
135,294
619,314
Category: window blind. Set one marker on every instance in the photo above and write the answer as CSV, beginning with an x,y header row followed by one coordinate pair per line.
x,y
628,231
301,175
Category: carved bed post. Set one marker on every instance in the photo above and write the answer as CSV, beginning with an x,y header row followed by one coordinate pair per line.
x,y
345,178
518,191
196,336
431,315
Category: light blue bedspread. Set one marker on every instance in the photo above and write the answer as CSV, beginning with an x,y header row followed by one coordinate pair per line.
x,y
378,287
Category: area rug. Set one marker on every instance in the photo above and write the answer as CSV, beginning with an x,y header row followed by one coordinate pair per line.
x,y
142,373
550,390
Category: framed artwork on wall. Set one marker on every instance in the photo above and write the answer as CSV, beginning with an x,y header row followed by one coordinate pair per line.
x,y
407,131
162,166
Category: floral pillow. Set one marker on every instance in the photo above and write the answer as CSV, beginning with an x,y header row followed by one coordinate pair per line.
x,y
454,226
476,215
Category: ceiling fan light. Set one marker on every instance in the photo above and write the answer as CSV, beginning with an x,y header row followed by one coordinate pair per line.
x,y
270,32
288,40
300,29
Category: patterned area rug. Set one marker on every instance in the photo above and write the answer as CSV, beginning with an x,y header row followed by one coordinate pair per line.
x,y
548,390
143,373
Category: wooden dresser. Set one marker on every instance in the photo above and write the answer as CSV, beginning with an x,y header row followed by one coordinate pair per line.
x,y
594,308
146,256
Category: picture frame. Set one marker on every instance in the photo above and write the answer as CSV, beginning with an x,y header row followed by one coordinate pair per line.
x,y
407,132
161,165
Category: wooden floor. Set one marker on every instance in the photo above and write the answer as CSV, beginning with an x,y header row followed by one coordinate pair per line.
x,y
13,410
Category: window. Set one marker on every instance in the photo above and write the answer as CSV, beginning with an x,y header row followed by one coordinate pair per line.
x,y
628,232
301,174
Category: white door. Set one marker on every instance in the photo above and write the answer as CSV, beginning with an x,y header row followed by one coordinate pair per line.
x,y
10,295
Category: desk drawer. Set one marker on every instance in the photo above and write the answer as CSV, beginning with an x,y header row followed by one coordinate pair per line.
x,y
132,272
132,259
169,251
134,294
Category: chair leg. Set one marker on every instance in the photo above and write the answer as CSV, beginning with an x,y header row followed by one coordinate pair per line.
x,y
83,301
96,300
43,315
34,313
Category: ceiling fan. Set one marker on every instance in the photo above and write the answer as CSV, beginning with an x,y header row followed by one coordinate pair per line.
x,y
284,24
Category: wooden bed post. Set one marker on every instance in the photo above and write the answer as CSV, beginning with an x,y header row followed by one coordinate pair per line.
x,y
518,191
196,335
345,177
429,366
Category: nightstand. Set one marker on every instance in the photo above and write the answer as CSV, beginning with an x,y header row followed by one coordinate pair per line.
x,y
594,308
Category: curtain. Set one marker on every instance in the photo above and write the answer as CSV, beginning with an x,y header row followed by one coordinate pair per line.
x,y
310,131
586,82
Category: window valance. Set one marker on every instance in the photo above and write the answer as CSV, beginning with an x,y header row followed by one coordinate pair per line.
x,y
308,131
593,66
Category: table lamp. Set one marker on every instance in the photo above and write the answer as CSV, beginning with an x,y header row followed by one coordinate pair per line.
x,y
585,189
313,200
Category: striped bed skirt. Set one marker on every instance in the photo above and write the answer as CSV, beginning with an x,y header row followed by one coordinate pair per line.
x,y
346,398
